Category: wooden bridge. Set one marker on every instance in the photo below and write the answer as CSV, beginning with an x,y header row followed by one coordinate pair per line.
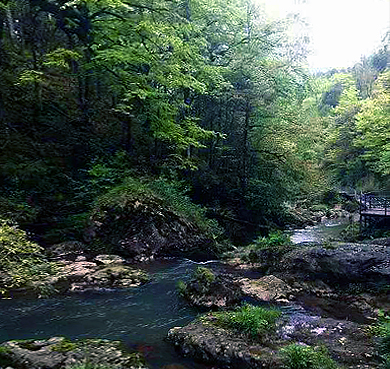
x,y
374,206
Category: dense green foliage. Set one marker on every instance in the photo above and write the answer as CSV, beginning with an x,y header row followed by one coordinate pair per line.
x,y
21,260
356,152
254,321
214,96
204,275
93,92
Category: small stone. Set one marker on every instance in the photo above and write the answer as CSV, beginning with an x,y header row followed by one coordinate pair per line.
x,y
109,259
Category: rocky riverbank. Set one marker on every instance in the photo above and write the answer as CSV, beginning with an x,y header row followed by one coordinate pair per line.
x,y
330,294
102,273
328,297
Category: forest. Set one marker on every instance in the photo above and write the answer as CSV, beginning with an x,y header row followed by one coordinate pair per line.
x,y
141,137
212,100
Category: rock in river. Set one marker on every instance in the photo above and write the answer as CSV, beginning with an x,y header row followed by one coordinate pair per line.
x,y
59,352
206,341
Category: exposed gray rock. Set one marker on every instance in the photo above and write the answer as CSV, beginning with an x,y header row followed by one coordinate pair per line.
x,y
348,343
268,289
58,352
87,276
342,264
111,276
144,229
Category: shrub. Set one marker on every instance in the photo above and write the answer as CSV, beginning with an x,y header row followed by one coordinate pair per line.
x,y
20,258
351,233
319,208
305,357
253,321
14,244
17,209
275,239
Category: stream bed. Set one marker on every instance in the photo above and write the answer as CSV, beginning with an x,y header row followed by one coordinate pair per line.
x,y
140,317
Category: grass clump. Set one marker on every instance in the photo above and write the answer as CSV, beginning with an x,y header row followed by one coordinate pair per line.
x,y
181,287
254,321
65,345
306,357
204,276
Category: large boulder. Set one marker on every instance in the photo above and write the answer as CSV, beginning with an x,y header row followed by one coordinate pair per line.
x,y
143,230
267,289
340,264
204,341
59,352
209,290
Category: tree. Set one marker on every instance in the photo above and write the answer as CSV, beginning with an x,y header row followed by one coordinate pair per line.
x,y
373,126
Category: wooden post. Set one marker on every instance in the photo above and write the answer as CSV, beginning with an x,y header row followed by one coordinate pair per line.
x,y
360,203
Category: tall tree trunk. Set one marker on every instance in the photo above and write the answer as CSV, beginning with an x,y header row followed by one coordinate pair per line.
x,y
245,154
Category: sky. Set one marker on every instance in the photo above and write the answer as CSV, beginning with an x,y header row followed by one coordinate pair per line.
x,y
341,31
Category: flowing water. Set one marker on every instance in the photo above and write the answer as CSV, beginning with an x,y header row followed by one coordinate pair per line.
x,y
140,317
328,229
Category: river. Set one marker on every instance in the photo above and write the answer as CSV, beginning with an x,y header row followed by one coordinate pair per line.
x,y
140,317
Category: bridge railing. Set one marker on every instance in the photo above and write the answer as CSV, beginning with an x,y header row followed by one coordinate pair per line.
x,y
375,201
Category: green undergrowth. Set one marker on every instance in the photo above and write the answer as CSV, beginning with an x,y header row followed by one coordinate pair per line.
x,y
276,239
169,194
274,245
253,321
204,277
296,356
65,345
351,233
354,233
21,260
381,329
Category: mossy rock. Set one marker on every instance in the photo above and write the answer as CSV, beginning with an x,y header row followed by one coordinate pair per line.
x,y
61,352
